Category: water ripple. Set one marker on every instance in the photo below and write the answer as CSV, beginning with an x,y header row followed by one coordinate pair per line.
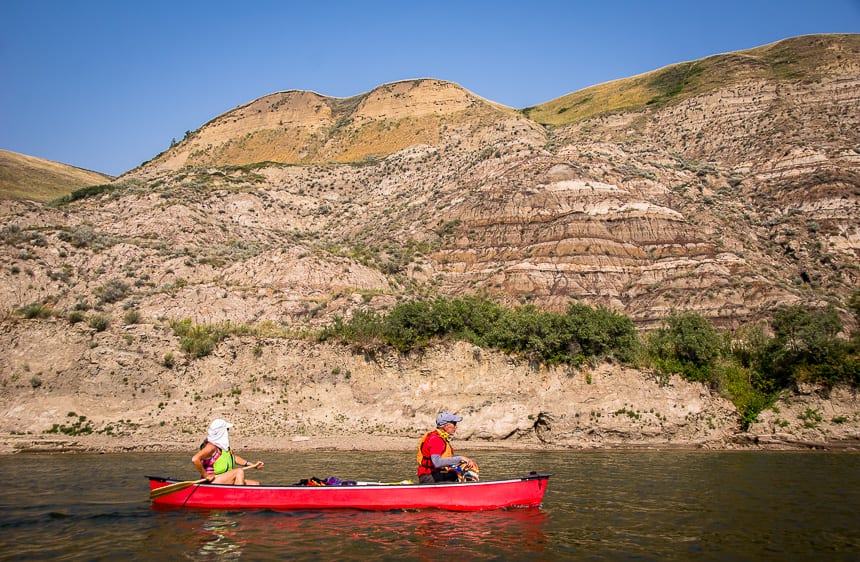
x,y
599,506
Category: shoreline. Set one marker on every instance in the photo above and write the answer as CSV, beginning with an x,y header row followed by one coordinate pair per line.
x,y
90,444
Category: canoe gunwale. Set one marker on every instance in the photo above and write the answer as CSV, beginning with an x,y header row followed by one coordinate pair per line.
x,y
169,480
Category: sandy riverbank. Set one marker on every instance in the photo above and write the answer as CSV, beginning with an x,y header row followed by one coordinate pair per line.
x,y
16,444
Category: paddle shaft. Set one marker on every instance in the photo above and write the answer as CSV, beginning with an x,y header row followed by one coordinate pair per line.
x,y
170,488
175,487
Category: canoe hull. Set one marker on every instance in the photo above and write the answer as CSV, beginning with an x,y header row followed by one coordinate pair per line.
x,y
527,491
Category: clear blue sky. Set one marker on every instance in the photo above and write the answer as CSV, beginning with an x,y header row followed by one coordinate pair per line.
x,y
107,84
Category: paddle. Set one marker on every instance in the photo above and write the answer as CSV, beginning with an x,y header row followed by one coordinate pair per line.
x,y
175,487
169,489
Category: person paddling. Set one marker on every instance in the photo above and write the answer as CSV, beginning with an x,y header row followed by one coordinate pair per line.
x,y
216,461
436,456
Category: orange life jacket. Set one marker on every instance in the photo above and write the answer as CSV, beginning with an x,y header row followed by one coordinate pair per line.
x,y
425,462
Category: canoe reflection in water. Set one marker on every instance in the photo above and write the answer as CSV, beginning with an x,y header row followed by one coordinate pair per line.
x,y
219,534
353,534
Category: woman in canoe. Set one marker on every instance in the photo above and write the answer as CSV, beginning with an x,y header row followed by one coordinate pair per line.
x,y
216,461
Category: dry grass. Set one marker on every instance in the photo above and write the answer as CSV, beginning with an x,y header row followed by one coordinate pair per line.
x,y
299,128
35,179
799,58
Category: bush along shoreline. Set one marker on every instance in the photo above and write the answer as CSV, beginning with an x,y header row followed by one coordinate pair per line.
x,y
750,366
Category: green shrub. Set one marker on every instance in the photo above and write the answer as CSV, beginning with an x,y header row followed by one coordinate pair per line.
x,y
806,347
113,291
583,333
806,332
197,345
168,360
83,193
686,344
80,427
85,237
36,311
534,334
810,418
99,322
734,379
365,328
75,316
132,317
601,332
197,340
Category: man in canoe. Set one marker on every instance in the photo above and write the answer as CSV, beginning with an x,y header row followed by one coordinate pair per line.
x,y
436,460
216,461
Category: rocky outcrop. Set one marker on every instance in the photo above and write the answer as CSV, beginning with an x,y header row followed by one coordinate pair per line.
x,y
68,387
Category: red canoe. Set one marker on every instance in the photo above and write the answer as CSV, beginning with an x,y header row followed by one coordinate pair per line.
x,y
526,491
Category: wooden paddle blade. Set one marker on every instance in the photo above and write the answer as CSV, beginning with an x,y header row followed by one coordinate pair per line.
x,y
169,489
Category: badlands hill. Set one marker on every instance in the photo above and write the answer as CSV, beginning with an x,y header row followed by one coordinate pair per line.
x,y
36,179
725,186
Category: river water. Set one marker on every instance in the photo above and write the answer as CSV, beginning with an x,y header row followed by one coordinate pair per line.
x,y
599,506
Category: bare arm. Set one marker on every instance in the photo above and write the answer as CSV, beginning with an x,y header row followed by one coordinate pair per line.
x,y
240,461
199,456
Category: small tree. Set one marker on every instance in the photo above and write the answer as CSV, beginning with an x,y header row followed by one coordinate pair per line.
x,y
807,346
806,331
601,332
688,344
